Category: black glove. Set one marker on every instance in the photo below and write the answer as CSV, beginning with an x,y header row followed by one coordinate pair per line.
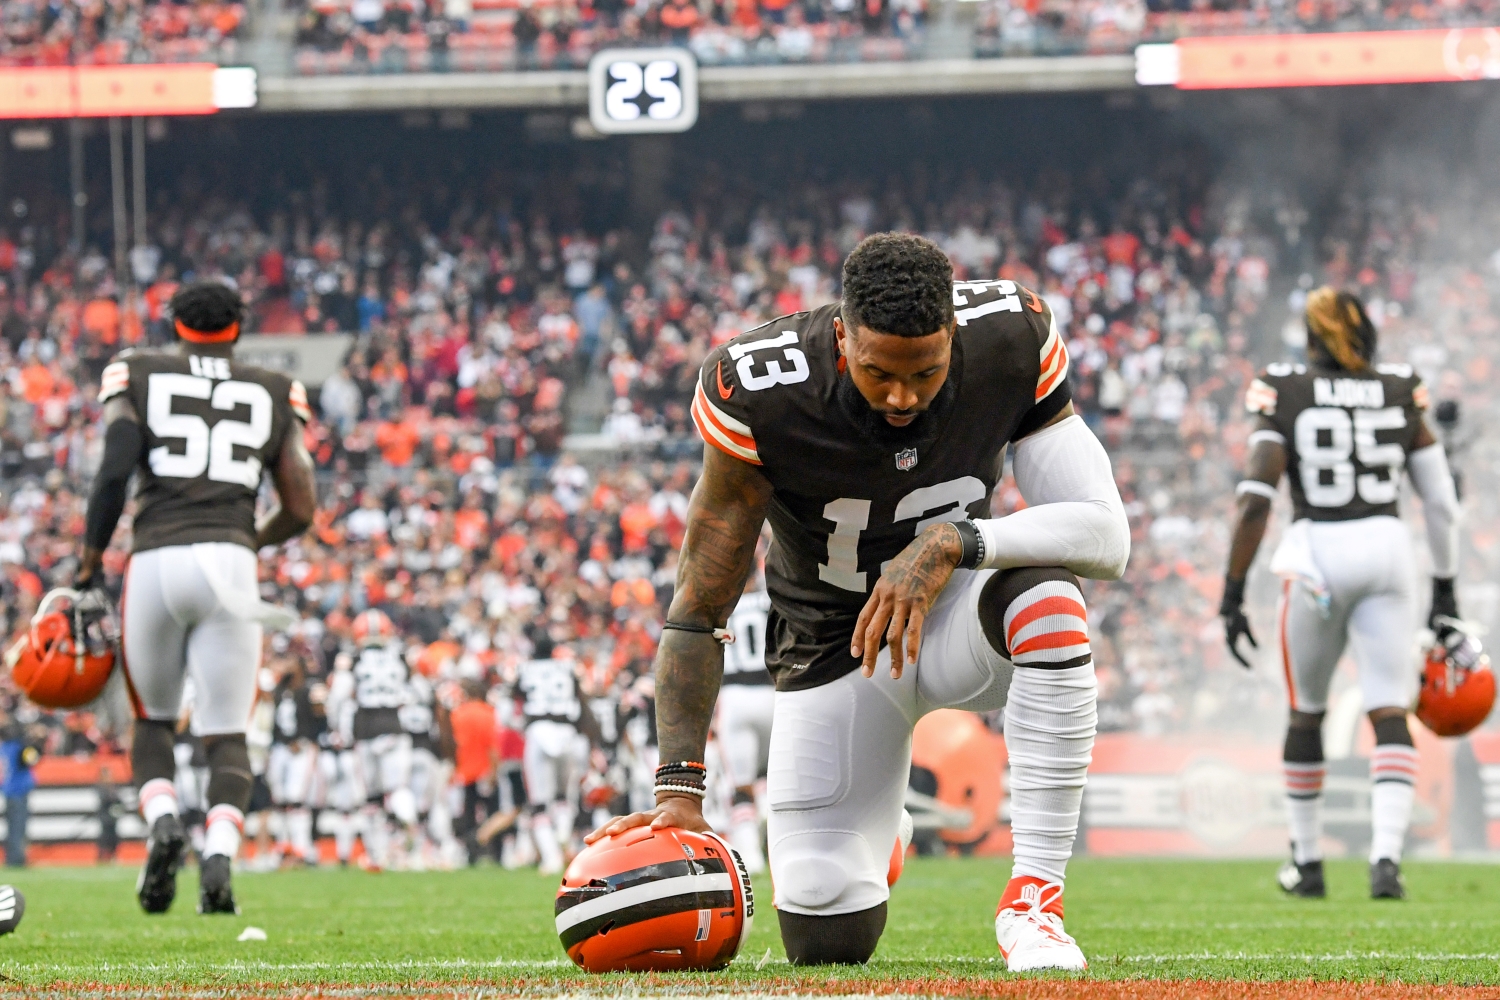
x,y
1444,605
1232,610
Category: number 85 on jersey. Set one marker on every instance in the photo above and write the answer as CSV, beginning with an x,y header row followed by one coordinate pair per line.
x,y
634,91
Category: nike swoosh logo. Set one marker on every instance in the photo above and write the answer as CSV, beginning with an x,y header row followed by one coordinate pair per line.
x,y
719,377
1032,302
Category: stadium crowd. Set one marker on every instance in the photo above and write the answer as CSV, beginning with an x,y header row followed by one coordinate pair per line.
x,y
362,36
453,502
35,33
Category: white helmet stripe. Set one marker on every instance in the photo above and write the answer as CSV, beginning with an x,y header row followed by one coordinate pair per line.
x,y
610,902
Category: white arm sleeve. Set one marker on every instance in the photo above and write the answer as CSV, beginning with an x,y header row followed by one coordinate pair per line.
x,y
1429,474
1076,519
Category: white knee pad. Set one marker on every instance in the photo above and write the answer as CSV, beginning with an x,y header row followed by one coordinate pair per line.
x,y
827,872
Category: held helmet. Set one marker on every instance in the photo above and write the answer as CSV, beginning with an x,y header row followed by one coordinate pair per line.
x,y
655,900
66,656
1458,687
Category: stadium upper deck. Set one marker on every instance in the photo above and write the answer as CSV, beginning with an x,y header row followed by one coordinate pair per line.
x,y
530,52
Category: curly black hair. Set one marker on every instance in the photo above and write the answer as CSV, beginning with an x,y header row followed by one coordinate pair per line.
x,y
207,306
900,284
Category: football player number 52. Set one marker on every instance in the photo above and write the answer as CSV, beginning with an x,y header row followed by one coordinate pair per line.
x,y
207,450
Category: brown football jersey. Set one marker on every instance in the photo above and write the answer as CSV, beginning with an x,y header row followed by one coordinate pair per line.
x,y
211,427
1347,434
850,490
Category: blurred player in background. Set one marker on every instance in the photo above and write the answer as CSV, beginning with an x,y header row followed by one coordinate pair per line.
x,y
1344,429
382,745
430,772
292,769
558,735
743,721
198,430
343,788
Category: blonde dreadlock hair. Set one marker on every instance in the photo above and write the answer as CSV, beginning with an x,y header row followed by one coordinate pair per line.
x,y
1337,323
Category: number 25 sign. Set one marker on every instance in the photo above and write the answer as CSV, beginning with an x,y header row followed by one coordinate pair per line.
x,y
643,90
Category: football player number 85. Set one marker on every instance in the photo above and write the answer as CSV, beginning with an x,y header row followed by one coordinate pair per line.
x,y
1348,437
206,450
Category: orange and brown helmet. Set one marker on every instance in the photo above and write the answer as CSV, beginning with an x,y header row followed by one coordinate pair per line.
x,y
649,900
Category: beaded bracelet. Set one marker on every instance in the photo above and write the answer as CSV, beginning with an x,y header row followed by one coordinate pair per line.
x,y
680,790
691,765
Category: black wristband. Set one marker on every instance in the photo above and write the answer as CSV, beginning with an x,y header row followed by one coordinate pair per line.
x,y
1234,595
1442,588
973,545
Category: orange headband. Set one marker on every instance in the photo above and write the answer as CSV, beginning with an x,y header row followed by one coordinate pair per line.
x,y
200,337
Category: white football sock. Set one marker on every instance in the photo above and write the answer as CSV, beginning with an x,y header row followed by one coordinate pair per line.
x,y
545,838
1304,809
158,798
222,836
343,836
744,835
1393,769
376,835
1050,719
299,828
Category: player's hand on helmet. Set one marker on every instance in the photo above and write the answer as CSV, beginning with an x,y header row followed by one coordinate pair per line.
x,y
1443,617
902,597
682,811
1232,610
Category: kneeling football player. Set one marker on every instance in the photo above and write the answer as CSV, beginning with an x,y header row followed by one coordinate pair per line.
x,y
871,434
198,429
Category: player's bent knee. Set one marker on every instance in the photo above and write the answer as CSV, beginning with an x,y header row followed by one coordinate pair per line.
x,y
827,870
1035,616
840,939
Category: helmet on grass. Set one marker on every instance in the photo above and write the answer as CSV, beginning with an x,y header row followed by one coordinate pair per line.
x,y
655,900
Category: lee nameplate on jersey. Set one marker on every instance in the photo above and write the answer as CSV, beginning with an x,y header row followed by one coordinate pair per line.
x,y
634,91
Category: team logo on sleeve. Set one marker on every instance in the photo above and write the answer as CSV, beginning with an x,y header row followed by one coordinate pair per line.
x,y
906,459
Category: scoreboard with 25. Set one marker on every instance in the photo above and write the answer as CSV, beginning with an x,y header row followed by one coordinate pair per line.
x,y
632,91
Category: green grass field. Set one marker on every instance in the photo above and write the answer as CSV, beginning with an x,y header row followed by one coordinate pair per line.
x,y
489,932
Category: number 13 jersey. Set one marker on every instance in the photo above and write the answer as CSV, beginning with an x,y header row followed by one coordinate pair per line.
x,y
1347,434
211,426
850,492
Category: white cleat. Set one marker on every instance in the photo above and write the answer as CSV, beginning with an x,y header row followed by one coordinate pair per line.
x,y
1029,929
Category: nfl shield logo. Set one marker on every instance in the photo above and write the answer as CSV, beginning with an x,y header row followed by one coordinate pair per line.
x,y
906,459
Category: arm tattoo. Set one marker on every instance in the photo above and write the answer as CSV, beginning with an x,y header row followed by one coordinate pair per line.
x,y
724,519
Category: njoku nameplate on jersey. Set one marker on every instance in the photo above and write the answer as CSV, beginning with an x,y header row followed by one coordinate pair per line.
x,y
635,91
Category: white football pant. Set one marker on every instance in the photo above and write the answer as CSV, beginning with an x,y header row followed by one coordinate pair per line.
x,y
176,623
1369,572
